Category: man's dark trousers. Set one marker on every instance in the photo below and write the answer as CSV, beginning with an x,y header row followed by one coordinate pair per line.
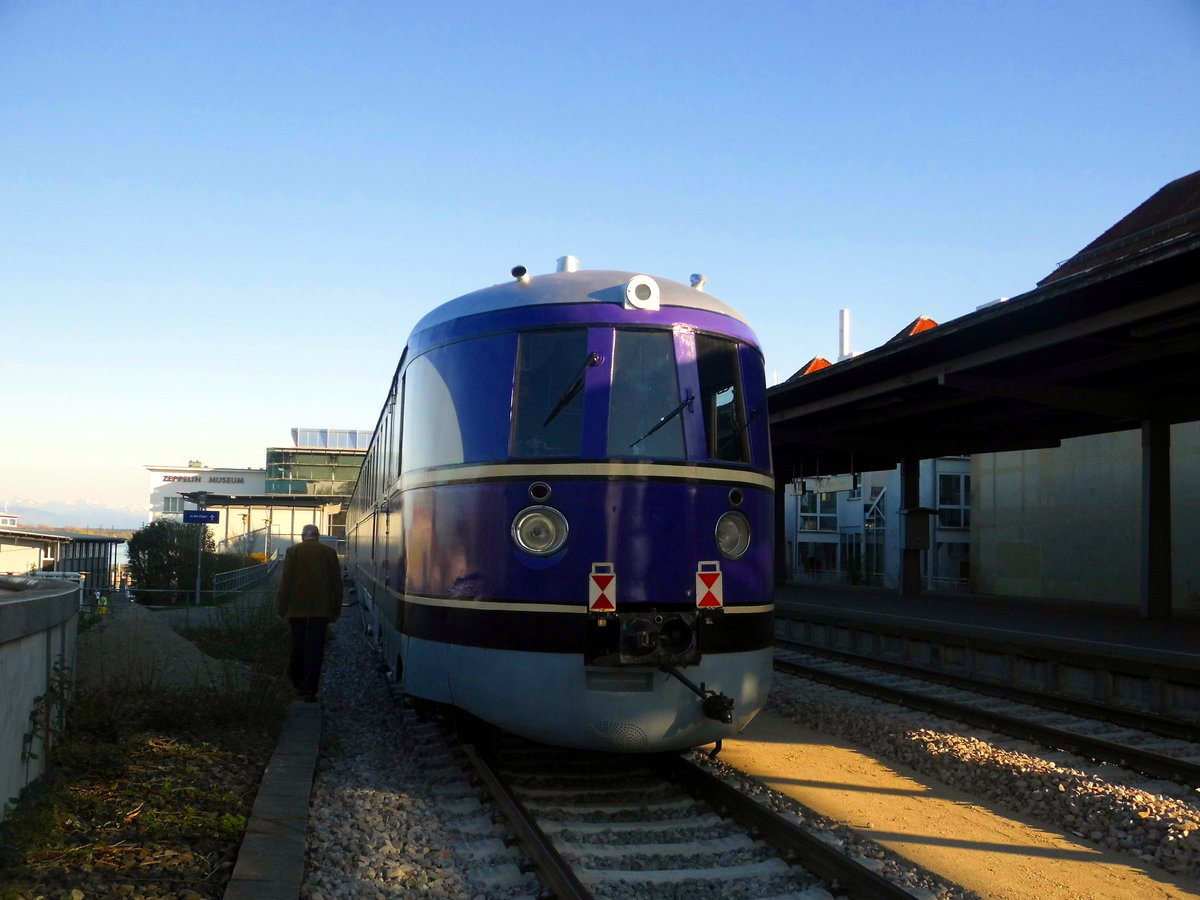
x,y
308,650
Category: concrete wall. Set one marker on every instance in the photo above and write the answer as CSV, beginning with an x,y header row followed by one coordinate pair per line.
x,y
1065,523
38,627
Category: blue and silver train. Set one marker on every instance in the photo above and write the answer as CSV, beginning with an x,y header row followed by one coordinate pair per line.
x,y
564,523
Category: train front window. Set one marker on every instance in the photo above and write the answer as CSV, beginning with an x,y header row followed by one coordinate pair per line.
x,y
548,402
723,402
644,415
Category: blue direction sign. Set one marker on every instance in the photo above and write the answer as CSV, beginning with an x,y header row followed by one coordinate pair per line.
x,y
207,516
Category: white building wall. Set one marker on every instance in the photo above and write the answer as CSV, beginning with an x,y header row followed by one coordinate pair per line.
x,y
1066,522
17,559
943,565
260,529
167,482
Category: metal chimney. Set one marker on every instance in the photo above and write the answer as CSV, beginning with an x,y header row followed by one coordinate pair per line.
x,y
568,264
843,334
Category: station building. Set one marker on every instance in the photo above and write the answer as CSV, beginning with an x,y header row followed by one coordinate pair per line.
x,y
31,550
264,510
848,529
1066,521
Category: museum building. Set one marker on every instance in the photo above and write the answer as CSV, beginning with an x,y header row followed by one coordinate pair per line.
x,y
263,510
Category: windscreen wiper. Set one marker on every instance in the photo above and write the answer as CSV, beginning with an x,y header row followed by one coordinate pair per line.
x,y
593,359
664,420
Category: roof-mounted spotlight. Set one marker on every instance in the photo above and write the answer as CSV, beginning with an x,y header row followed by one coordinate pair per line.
x,y
641,292
521,274
698,281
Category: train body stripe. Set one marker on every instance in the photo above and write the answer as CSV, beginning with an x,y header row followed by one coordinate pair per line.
x,y
542,471
494,605
537,607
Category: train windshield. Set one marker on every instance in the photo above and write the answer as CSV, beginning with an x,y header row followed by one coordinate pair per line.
x,y
723,401
548,406
644,407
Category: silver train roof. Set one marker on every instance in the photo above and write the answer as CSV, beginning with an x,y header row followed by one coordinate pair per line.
x,y
582,286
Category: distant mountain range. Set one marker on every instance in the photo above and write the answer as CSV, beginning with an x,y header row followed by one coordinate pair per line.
x,y
73,514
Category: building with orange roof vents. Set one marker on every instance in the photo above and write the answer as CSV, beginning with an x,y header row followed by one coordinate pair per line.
x,y
916,326
816,364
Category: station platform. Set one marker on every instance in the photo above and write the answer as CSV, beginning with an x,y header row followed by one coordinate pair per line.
x,y
1101,629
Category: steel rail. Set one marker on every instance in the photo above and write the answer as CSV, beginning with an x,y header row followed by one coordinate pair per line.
x,y
799,846
1128,718
1148,763
555,872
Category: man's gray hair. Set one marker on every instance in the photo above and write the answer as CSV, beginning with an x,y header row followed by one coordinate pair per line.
x,y
310,531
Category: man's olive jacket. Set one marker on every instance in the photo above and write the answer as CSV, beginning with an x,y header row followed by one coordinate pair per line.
x,y
311,583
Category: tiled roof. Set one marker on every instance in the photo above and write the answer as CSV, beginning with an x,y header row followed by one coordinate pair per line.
x,y
1172,211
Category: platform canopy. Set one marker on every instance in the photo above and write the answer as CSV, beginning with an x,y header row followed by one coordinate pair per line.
x,y
1105,347
212,500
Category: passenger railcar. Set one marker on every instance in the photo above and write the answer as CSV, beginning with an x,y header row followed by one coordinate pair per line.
x,y
564,523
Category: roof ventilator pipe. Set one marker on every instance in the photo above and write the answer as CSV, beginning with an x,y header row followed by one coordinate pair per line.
x,y
568,264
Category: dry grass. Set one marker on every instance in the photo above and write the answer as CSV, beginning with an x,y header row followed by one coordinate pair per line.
x,y
149,786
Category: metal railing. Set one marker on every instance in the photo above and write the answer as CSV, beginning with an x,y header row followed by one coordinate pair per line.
x,y
238,579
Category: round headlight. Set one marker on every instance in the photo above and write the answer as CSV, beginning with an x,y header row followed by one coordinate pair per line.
x,y
540,530
733,534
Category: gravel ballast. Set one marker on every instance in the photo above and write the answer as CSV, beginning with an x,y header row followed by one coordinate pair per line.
x,y
393,813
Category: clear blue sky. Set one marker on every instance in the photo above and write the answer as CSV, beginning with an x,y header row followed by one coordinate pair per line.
x,y
219,220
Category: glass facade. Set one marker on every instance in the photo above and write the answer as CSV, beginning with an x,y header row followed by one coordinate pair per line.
x,y
311,471
332,438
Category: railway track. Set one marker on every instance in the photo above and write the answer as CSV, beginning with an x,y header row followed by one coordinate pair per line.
x,y
597,825
1148,744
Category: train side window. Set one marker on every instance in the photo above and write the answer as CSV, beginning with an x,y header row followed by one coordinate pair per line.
x,y
432,436
645,416
723,399
548,401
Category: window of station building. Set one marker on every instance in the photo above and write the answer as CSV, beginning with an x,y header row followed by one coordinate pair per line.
x,y
549,388
817,512
645,391
722,399
172,504
954,500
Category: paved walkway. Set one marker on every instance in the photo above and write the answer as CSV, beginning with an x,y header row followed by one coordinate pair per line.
x,y
270,864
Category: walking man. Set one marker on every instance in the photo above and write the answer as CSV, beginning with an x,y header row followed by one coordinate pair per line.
x,y
309,597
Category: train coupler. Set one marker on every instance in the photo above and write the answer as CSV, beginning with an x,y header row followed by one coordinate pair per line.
x,y
716,706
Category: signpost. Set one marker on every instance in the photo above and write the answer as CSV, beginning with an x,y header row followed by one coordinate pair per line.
x,y
200,517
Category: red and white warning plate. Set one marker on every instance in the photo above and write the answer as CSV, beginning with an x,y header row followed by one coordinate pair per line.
x,y
602,588
710,586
